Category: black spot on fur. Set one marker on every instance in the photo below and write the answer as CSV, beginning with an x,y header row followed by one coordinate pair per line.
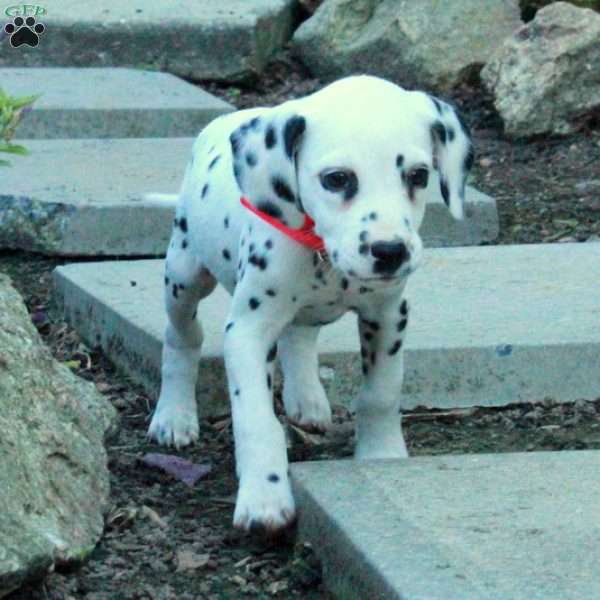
x,y
451,134
258,261
253,303
404,308
344,283
166,281
365,368
396,346
270,209
269,381
363,249
292,130
251,159
237,173
268,244
235,141
271,292
205,190
183,224
363,236
229,326
270,137
226,254
402,325
399,160
226,222
184,244
254,123
440,131
373,216
272,353
213,162
437,103
445,191
175,291
374,325
469,158
282,189
236,392
273,478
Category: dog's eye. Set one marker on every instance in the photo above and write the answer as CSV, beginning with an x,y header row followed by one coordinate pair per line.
x,y
418,177
338,180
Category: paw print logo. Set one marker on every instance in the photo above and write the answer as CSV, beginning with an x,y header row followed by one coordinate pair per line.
x,y
24,31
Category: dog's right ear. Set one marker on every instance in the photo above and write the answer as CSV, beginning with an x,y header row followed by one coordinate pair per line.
x,y
264,162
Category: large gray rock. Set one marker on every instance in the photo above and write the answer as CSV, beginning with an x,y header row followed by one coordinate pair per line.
x,y
546,77
226,40
418,43
53,477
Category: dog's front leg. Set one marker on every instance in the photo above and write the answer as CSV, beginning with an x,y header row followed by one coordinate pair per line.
x,y
382,327
264,498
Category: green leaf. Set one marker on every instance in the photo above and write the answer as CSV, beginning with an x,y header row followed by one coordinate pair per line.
x,y
24,101
14,149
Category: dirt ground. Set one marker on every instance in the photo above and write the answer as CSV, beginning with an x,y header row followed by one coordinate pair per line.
x,y
164,540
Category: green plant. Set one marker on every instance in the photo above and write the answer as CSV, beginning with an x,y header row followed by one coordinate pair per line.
x,y
11,112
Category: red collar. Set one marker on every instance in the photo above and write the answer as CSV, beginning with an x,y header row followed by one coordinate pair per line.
x,y
305,236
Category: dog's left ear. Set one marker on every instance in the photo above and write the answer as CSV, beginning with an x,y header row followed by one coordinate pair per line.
x,y
264,162
453,151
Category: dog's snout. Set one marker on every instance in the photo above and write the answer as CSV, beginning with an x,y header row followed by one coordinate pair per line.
x,y
390,256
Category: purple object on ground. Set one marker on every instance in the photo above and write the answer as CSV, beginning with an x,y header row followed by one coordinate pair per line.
x,y
180,468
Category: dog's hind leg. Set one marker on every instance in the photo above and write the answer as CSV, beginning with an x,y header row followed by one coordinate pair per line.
x,y
304,398
187,281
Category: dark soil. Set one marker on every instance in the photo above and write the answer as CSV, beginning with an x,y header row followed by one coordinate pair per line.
x,y
164,540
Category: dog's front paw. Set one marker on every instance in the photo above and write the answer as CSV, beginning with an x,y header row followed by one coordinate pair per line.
x,y
174,426
265,506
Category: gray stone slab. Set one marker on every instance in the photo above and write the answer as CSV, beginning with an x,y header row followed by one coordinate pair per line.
x,y
110,103
489,326
226,40
479,527
86,198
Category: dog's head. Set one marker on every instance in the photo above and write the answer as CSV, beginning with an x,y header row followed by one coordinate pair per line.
x,y
357,157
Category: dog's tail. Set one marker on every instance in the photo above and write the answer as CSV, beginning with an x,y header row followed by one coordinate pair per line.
x,y
164,200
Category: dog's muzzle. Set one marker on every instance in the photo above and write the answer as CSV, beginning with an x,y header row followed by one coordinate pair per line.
x,y
389,256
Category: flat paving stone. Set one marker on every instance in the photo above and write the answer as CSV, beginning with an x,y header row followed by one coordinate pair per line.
x,y
110,103
86,198
489,326
478,527
228,40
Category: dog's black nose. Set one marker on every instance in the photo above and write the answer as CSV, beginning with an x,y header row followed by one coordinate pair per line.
x,y
389,255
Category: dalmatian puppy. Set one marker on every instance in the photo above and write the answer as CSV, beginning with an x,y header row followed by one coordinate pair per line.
x,y
353,159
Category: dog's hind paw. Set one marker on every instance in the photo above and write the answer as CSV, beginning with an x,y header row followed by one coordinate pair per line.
x,y
174,427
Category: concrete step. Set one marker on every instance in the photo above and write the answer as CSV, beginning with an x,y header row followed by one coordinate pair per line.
x,y
85,198
226,40
110,103
489,326
479,527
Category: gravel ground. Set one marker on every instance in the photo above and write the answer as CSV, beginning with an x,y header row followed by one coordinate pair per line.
x,y
165,540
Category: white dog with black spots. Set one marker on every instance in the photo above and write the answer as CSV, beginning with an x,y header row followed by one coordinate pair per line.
x,y
356,157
